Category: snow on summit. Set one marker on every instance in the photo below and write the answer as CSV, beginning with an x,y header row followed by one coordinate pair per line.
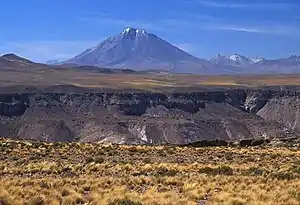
x,y
240,59
134,30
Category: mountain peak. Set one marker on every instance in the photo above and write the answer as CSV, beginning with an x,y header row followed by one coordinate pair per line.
x,y
236,56
137,49
258,59
239,59
14,57
10,56
52,62
295,57
130,30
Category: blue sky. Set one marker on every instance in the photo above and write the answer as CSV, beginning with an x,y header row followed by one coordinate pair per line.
x,y
59,29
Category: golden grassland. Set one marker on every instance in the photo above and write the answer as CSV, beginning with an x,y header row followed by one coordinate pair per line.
x,y
35,173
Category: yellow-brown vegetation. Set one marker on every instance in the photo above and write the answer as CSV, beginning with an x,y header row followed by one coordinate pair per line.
x,y
35,173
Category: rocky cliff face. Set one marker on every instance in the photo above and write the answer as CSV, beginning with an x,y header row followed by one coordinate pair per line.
x,y
150,118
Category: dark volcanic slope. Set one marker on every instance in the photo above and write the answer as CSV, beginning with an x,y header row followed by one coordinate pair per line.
x,y
148,117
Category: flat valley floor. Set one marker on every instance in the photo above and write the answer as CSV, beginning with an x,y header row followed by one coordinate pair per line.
x,y
40,76
35,173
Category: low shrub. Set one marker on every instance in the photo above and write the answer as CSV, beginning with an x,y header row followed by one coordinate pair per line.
x,y
221,170
283,176
124,202
254,171
163,171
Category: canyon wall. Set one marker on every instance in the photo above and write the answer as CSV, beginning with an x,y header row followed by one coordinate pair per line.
x,y
150,118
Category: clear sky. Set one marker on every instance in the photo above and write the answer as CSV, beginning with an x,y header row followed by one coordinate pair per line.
x,y
58,29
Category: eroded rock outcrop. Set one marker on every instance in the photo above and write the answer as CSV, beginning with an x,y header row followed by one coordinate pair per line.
x,y
150,118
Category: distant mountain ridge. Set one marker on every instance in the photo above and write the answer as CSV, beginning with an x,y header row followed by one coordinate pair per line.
x,y
52,62
139,50
13,62
235,59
